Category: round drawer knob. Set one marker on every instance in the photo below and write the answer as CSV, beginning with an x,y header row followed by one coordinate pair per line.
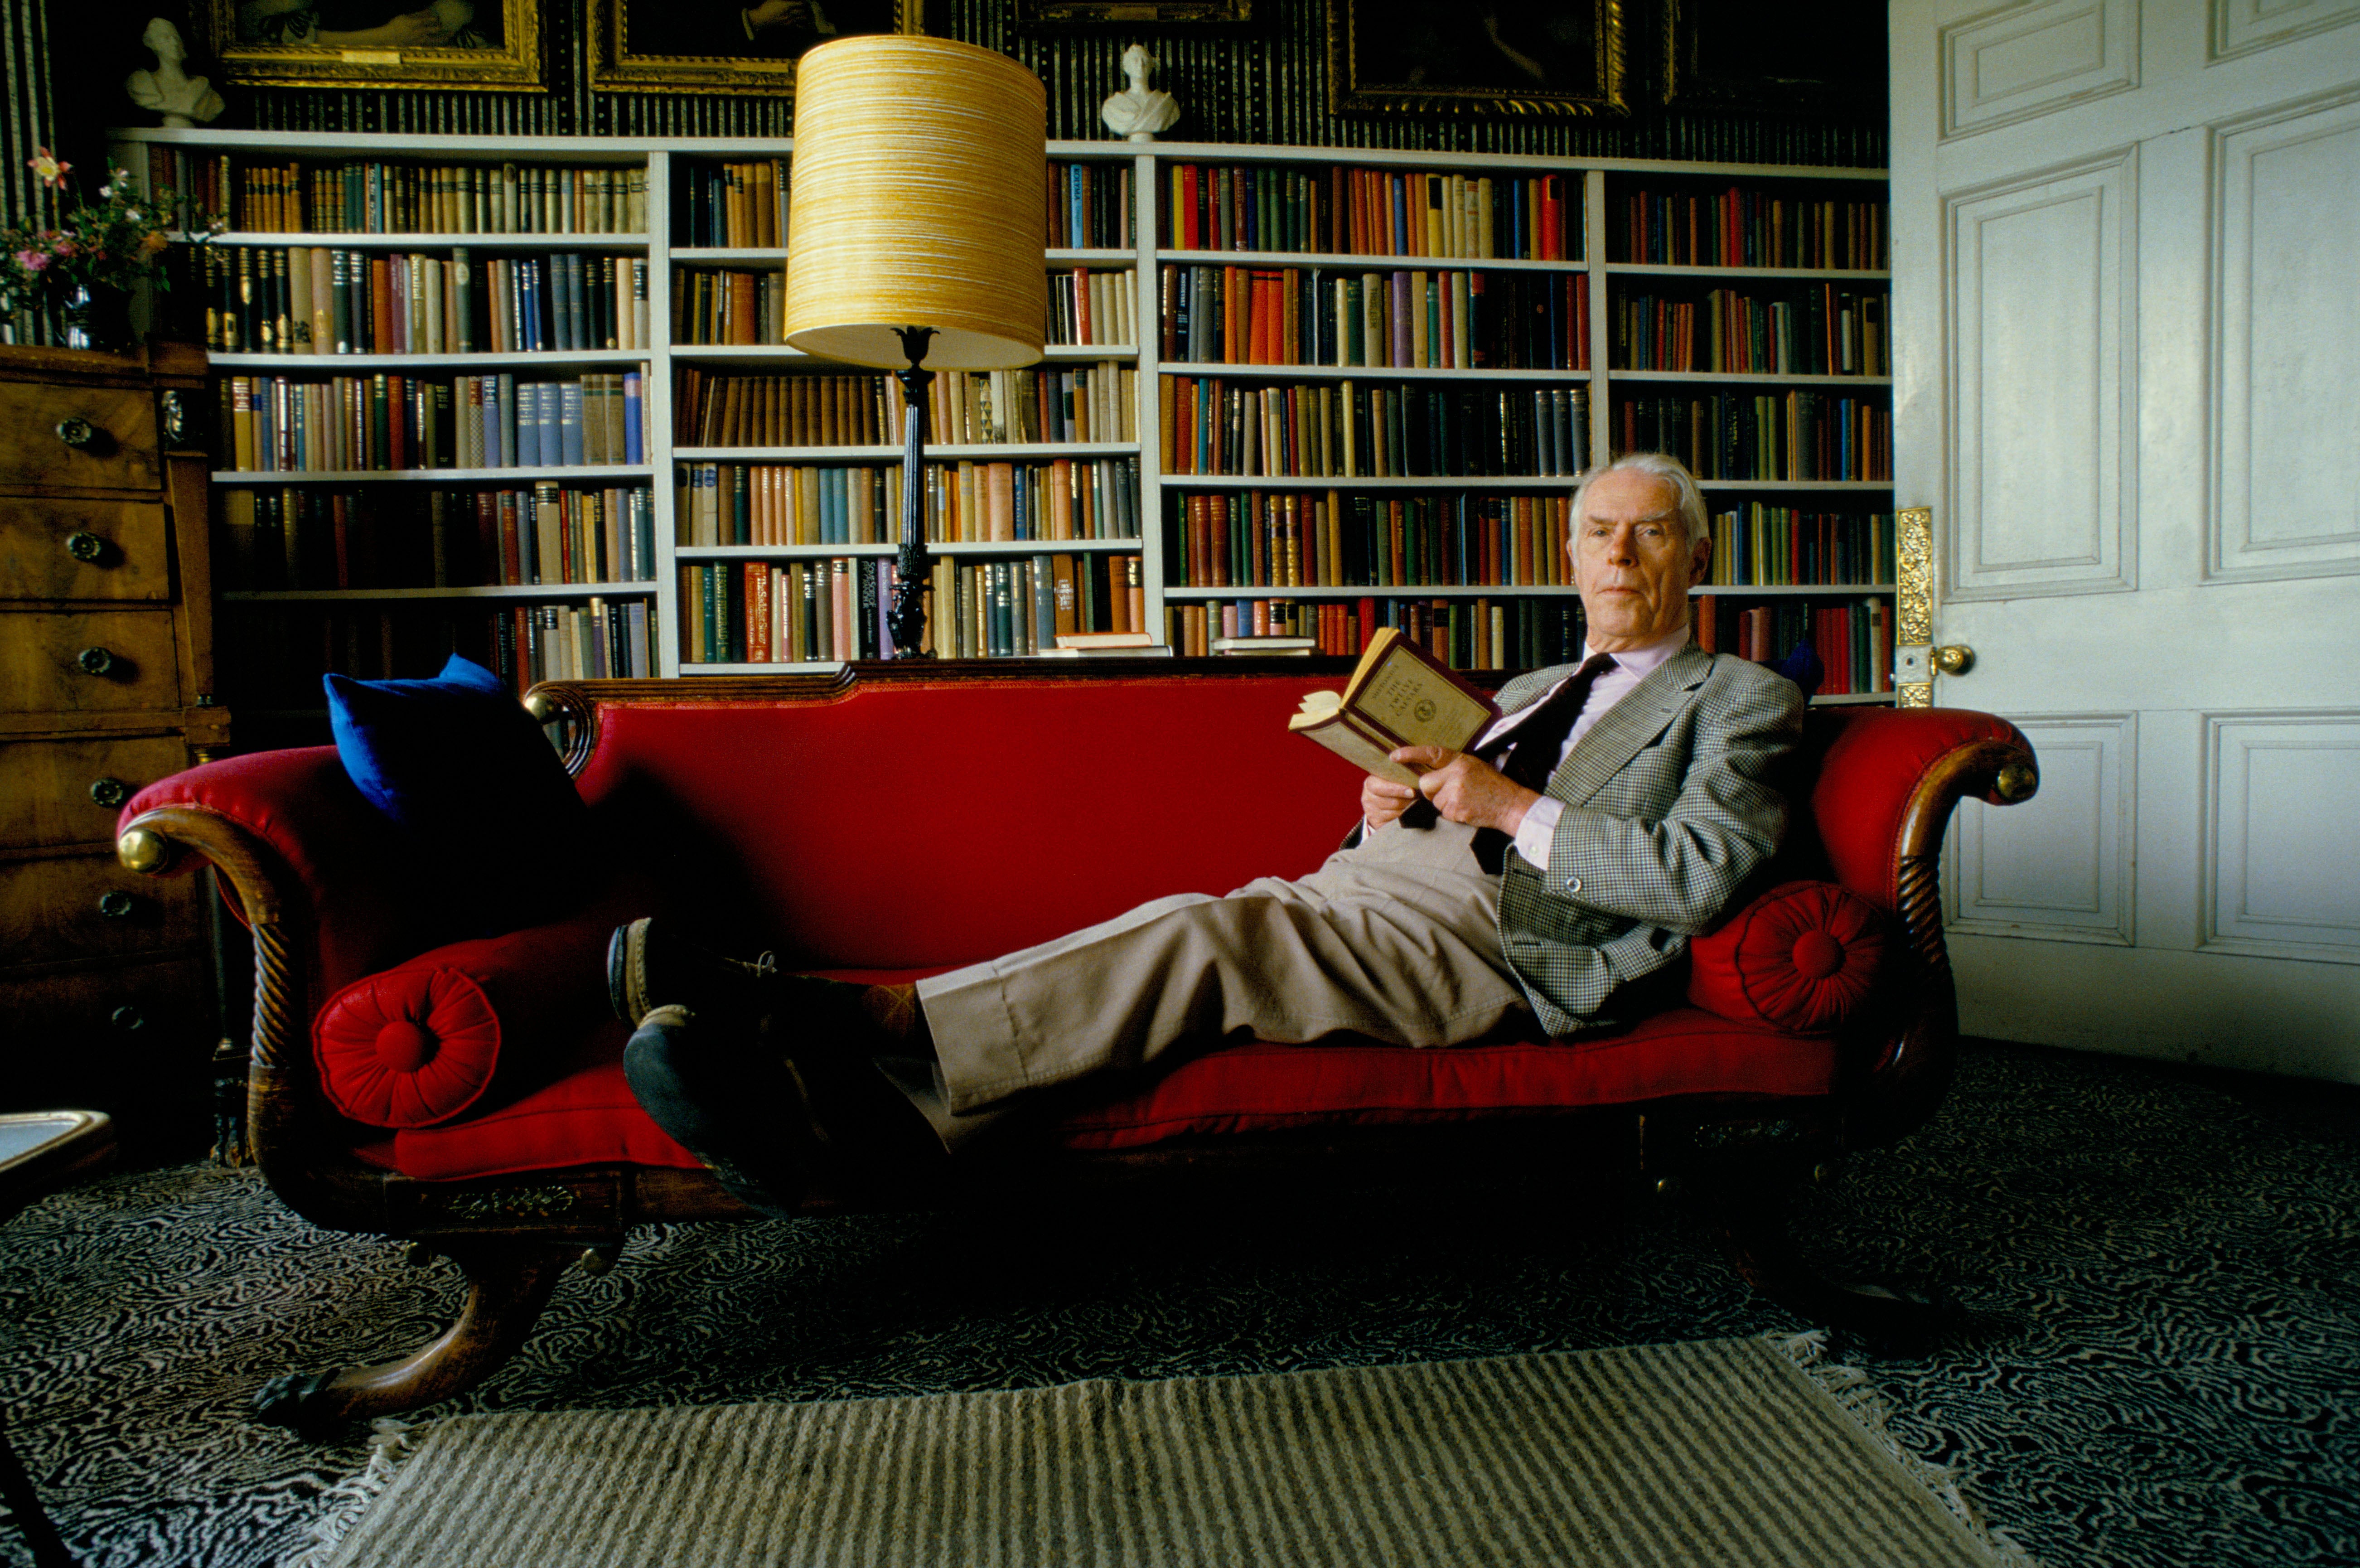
x,y
115,905
95,661
85,546
76,432
126,1017
110,792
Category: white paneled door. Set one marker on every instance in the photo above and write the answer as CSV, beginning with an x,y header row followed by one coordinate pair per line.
x,y
2127,282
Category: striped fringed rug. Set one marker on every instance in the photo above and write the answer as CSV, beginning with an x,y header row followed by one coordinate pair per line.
x,y
1724,1452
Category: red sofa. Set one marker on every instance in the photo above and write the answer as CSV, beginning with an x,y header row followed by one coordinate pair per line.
x,y
900,820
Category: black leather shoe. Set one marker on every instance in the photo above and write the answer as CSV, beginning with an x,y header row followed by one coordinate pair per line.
x,y
729,1102
650,966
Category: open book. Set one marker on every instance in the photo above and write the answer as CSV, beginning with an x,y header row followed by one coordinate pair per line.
x,y
1401,695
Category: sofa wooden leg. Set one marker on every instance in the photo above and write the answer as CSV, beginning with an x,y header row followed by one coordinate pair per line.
x,y
506,1289
1751,1220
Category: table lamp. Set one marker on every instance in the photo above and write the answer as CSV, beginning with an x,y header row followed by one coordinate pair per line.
x,y
914,233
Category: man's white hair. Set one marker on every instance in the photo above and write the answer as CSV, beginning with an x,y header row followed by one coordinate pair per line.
x,y
1695,523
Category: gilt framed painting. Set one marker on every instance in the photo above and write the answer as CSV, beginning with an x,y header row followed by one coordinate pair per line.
x,y
642,45
488,44
1488,57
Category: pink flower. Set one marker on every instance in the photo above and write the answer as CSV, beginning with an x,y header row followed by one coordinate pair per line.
x,y
32,260
46,165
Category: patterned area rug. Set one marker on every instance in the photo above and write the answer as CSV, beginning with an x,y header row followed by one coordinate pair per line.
x,y
2160,1281
1720,1453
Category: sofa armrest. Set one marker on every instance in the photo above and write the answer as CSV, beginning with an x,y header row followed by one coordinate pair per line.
x,y
470,1025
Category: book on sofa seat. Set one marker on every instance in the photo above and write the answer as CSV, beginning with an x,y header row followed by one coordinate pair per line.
x,y
1400,694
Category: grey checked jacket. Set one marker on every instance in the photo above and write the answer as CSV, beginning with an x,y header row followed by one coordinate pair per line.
x,y
1672,800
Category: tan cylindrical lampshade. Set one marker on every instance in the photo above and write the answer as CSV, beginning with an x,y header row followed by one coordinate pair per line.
x,y
920,178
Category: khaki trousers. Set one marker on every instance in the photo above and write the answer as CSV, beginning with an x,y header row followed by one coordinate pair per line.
x,y
1397,939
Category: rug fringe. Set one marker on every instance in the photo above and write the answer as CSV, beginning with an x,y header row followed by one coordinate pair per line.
x,y
1850,1387
342,1504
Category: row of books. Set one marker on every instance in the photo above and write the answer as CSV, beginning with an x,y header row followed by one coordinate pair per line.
x,y
351,423
1795,436
1764,545
275,659
322,300
1017,608
1343,211
1737,227
1064,404
1466,634
1292,540
995,408
1090,207
737,205
728,305
394,196
1818,330
970,502
1094,309
1409,319
1853,638
301,537
1351,430
763,613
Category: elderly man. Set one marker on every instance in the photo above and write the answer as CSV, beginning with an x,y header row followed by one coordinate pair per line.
x,y
1533,881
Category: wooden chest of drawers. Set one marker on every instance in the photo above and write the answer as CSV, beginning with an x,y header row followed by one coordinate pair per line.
x,y
106,685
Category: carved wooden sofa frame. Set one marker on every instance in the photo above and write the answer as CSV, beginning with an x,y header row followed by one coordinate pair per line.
x,y
515,1237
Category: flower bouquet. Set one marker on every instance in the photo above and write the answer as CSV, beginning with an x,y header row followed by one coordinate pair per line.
x,y
85,268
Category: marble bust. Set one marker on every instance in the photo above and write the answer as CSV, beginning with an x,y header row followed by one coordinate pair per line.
x,y
182,99
1138,113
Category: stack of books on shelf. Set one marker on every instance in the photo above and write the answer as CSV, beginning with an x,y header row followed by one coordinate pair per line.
x,y
1736,227
399,196
1069,404
1853,638
1351,430
1763,545
304,538
1090,206
1815,330
321,299
966,502
1793,435
1292,539
391,422
1341,211
1403,319
736,205
728,305
1471,633
1093,309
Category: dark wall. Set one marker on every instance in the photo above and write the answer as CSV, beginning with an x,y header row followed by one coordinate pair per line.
x,y
1267,84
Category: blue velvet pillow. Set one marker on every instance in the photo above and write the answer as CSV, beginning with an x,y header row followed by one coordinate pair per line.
x,y
471,783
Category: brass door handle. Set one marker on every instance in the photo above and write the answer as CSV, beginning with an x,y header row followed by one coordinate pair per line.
x,y
76,432
95,661
1956,658
84,545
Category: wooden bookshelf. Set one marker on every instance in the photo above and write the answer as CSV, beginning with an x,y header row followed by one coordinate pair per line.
x,y
1598,193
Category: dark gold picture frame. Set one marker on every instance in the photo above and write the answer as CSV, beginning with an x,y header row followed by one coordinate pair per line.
x,y
1091,16
676,46
1492,57
487,45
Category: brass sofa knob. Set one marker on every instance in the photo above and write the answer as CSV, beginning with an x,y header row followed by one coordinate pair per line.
x,y
76,432
2016,782
143,850
84,545
95,661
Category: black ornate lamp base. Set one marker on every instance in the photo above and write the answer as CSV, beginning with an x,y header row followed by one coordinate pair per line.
x,y
905,617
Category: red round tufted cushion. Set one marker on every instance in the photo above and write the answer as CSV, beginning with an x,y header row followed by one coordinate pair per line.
x,y
407,1048
420,1042
1802,957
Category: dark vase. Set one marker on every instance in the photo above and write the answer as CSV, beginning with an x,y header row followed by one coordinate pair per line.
x,y
97,316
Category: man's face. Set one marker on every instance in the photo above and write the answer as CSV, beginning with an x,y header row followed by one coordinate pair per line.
x,y
1628,561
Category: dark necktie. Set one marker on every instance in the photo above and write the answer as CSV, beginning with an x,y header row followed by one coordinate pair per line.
x,y
1535,747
